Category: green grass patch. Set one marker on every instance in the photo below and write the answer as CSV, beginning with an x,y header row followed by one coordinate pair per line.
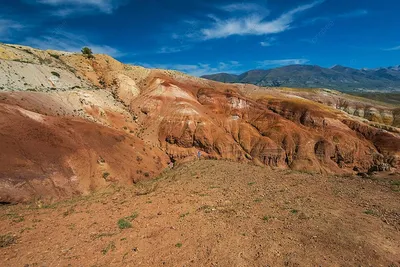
x,y
110,246
395,183
178,245
15,217
7,240
369,212
293,211
125,222
184,215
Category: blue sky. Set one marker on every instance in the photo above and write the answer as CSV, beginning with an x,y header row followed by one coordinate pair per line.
x,y
209,36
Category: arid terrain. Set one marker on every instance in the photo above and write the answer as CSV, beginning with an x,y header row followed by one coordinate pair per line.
x,y
213,213
261,176
72,125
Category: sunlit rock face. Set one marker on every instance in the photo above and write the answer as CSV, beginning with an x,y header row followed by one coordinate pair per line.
x,y
108,123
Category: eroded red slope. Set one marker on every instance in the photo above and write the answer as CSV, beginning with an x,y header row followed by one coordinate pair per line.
x,y
43,156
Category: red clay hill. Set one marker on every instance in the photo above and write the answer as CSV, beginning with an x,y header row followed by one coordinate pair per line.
x,y
71,125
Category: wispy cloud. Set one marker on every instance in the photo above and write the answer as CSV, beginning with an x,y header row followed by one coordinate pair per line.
x,y
172,50
233,67
392,48
200,68
69,42
7,27
74,7
268,42
247,7
253,23
282,62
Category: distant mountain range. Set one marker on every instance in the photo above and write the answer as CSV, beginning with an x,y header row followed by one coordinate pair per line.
x,y
309,76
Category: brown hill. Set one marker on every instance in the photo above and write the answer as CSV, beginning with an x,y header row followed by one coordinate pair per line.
x,y
71,125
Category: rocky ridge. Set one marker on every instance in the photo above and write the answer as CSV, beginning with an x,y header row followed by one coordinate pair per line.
x,y
71,125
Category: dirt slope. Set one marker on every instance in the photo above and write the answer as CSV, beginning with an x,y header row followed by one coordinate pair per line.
x,y
43,156
213,213
63,114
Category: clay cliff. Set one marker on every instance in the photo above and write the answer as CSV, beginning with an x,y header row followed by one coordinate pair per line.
x,y
72,125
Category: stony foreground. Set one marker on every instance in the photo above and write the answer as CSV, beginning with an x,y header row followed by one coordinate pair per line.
x,y
213,213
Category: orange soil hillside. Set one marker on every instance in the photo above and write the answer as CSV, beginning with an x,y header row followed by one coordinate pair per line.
x,y
111,123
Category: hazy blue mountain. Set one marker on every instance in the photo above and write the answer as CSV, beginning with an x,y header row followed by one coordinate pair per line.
x,y
311,76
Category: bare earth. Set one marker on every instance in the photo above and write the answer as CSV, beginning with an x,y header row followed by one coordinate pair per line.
x,y
214,213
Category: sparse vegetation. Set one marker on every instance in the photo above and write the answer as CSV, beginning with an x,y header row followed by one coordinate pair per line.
x,y
111,246
101,235
16,218
55,74
395,183
294,211
55,56
87,52
23,61
69,212
132,217
184,215
232,210
206,208
106,175
28,51
7,240
369,212
46,61
125,222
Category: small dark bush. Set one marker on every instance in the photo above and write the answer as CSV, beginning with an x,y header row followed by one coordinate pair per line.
x,y
56,74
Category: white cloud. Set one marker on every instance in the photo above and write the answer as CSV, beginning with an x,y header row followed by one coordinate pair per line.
x,y
7,27
253,24
200,68
234,67
246,7
68,42
172,50
282,62
393,48
268,42
72,7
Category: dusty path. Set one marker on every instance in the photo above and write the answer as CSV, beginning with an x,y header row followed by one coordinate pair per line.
x,y
213,213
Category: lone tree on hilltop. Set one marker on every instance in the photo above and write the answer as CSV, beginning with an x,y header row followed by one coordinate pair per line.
x,y
86,51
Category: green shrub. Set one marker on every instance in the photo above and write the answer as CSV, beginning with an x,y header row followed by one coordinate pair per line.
x,y
124,224
6,240
56,74
87,52
105,175
55,56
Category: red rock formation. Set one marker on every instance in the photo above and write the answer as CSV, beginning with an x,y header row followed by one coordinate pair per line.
x,y
74,141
